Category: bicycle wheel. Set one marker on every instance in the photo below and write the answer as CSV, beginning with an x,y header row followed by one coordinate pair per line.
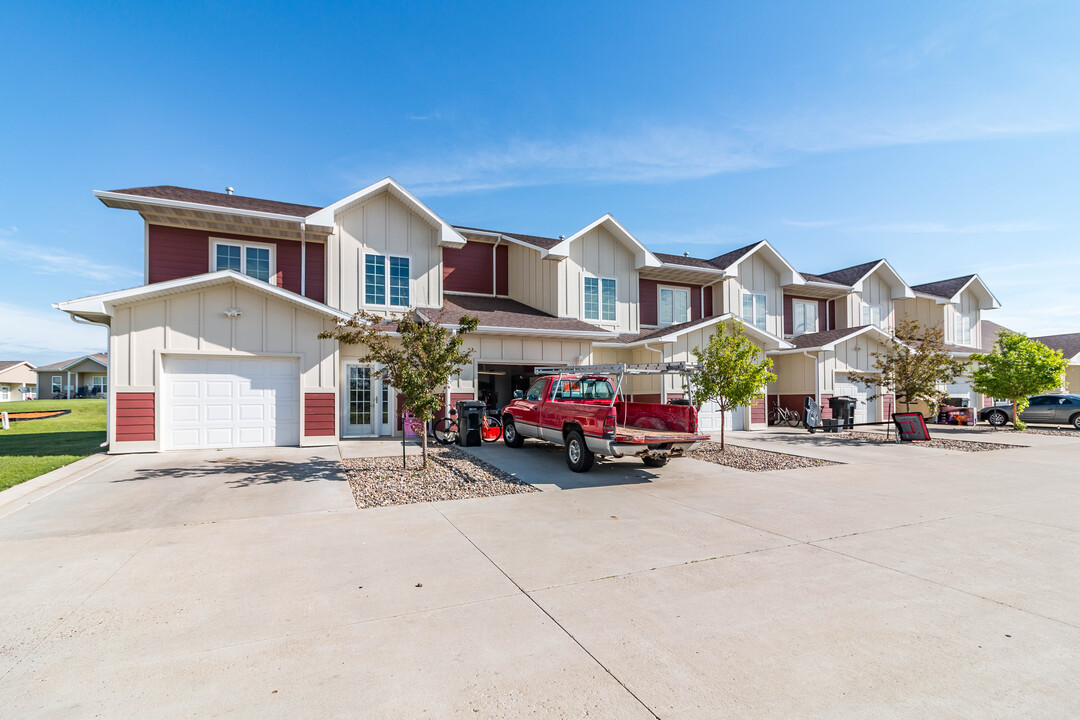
x,y
774,417
493,431
445,431
793,419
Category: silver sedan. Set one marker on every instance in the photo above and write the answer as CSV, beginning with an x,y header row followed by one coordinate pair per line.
x,y
1043,409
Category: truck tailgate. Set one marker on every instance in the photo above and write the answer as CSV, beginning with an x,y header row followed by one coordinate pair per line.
x,y
648,436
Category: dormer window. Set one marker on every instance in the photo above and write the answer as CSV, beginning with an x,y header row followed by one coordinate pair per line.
x,y
600,299
674,306
803,317
871,315
753,309
963,331
253,259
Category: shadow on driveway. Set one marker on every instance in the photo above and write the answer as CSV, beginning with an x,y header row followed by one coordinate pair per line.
x,y
246,472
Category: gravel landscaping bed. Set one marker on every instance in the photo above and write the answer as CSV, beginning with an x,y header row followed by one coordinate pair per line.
x,y
1059,432
452,474
753,460
937,443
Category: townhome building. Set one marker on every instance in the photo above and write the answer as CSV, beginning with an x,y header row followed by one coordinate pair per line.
x,y
220,346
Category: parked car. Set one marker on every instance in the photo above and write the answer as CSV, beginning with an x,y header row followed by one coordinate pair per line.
x,y
1042,409
580,409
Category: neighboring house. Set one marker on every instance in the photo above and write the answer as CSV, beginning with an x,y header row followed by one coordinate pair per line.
x,y
1069,345
18,381
84,376
219,348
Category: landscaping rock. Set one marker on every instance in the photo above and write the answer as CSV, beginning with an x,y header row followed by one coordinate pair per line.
x,y
753,460
452,474
936,443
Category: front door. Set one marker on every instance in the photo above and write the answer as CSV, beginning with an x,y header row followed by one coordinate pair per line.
x,y
361,401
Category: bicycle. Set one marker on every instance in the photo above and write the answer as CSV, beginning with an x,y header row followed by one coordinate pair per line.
x,y
445,430
782,415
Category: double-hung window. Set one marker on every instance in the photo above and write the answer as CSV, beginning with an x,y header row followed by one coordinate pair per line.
x,y
386,280
254,259
98,384
753,309
871,315
600,299
57,384
674,306
803,317
5,393
963,330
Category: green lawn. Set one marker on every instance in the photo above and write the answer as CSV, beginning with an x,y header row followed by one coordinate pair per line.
x,y
34,447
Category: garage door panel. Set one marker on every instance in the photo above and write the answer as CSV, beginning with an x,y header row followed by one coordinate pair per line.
x,y
230,402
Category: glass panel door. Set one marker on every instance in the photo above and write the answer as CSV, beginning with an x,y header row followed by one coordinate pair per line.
x,y
360,401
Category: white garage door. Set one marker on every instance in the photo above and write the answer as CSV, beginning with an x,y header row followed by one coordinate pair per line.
x,y
709,419
216,402
961,389
864,408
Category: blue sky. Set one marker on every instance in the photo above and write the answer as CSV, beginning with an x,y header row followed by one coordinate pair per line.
x,y
943,136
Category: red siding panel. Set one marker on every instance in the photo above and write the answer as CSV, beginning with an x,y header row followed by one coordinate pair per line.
x,y
134,417
757,410
648,297
889,405
502,270
708,301
793,402
181,252
319,416
469,268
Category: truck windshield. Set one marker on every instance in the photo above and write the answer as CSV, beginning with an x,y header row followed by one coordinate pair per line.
x,y
585,389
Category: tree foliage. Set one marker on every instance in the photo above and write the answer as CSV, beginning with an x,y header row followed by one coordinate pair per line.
x,y
733,371
418,363
1017,367
914,365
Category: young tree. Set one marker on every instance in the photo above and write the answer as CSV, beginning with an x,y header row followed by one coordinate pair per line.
x,y
418,364
733,372
1017,367
914,365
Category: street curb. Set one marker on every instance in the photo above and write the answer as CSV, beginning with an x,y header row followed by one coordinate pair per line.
x,y
22,490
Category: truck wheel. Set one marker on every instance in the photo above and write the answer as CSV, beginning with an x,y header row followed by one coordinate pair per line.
x,y
657,462
579,457
511,437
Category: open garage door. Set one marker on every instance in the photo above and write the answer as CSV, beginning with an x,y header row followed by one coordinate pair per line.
x,y
226,402
961,389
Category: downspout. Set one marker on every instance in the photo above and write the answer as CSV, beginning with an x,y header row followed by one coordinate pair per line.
x,y
303,258
663,383
495,267
108,374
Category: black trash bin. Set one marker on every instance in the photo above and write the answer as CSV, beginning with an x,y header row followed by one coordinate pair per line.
x,y
469,416
843,408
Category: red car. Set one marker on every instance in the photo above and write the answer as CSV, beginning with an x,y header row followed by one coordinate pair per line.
x,y
582,411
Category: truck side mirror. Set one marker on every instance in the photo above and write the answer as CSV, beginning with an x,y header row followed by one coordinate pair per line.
x,y
518,394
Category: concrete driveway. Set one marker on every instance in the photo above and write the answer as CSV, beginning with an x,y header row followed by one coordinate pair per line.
x,y
938,584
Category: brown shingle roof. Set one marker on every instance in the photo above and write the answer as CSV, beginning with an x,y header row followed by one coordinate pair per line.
x,y
505,313
821,279
545,243
685,260
1068,344
730,258
989,331
8,364
813,340
851,275
943,288
98,357
651,333
205,197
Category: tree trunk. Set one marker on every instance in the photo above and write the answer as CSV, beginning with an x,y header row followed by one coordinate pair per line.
x,y
423,446
723,415
1016,416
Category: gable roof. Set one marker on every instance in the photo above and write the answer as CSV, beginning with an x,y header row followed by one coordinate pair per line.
x,y
447,235
509,316
643,257
809,277
988,331
788,274
100,358
6,365
949,290
670,333
829,339
1068,344
99,308
206,197
669,259
730,258
851,275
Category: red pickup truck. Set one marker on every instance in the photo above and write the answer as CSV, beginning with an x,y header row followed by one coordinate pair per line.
x,y
585,414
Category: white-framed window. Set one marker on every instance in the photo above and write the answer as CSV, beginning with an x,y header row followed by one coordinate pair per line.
x,y
254,259
386,280
57,384
99,384
871,315
804,317
600,299
963,330
754,309
5,393
674,305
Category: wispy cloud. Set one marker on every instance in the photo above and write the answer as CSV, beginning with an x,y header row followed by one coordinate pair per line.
x,y
42,336
670,153
52,261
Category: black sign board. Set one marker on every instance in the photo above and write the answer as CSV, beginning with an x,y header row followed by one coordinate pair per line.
x,y
911,426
